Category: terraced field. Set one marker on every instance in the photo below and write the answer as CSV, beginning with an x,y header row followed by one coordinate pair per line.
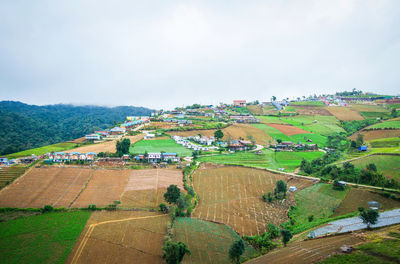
x,y
8,174
159,145
232,195
344,113
208,242
386,125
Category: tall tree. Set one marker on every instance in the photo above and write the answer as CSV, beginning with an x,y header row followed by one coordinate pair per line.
x,y
369,217
174,252
219,134
173,193
236,250
286,236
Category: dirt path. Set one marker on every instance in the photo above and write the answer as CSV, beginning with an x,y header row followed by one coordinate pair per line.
x,y
91,228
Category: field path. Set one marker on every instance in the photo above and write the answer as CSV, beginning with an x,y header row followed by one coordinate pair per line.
x,y
92,226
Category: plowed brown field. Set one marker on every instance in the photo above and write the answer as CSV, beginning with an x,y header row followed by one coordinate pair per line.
x,y
41,186
108,146
104,187
344,113
232,195
288,130
310,251
121,237
234,131
146,188
377,134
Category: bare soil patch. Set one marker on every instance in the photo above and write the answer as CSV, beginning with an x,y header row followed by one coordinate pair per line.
x,y
288,130
344,113
377,134
310,251
41,186
121,237
146,188
104,187
108,146
233,196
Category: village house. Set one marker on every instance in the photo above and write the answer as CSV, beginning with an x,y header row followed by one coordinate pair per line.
x,y
103,133
239,103
4,160
154,157
244,119
90,156
117,130
93,137
173,157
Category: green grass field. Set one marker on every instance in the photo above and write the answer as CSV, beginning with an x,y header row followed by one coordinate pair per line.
x,y
208,242
388,165
387,124
43,150
385,142
45,238
159,145
288,160
273,132
318,200
308,103
374,115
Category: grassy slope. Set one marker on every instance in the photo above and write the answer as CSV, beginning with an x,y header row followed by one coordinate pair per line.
x,y
387,164
288,160
43,150
318,200
207,241
387,124
159,145
46,238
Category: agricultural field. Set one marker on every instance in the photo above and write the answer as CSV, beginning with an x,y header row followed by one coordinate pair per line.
x,y
288,130
306,205
377,134
311,110
385,142
309,251
388,165
103,188
208,242
234,131
121,237
344,113
45,238
146,188
8,174
43,150
107,146
159,145
232,196
371,108
357,197
45,186
386,125
307,103
267,159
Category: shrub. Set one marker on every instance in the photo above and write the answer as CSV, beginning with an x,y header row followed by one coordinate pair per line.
x,y
47,208
92,207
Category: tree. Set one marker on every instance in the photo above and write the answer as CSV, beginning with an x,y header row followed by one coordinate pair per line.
x,y
236,250
372,167
47,208
218,134
394,112
163,208
174,252
123,145
173,193
273,98
280,189
359,140
369,217
286,236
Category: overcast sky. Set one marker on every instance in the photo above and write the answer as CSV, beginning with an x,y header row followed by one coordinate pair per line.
x,y
162,54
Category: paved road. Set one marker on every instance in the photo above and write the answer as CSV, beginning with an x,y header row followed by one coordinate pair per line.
x,y
355,223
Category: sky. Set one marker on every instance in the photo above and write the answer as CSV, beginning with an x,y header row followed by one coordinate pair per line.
x,y
163,54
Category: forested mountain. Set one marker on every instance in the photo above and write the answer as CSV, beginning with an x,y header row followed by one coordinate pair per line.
x,y
25,126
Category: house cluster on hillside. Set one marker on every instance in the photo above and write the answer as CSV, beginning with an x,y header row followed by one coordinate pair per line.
x,y
290,146
245,118
66,157
240,145
203,143
158,157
